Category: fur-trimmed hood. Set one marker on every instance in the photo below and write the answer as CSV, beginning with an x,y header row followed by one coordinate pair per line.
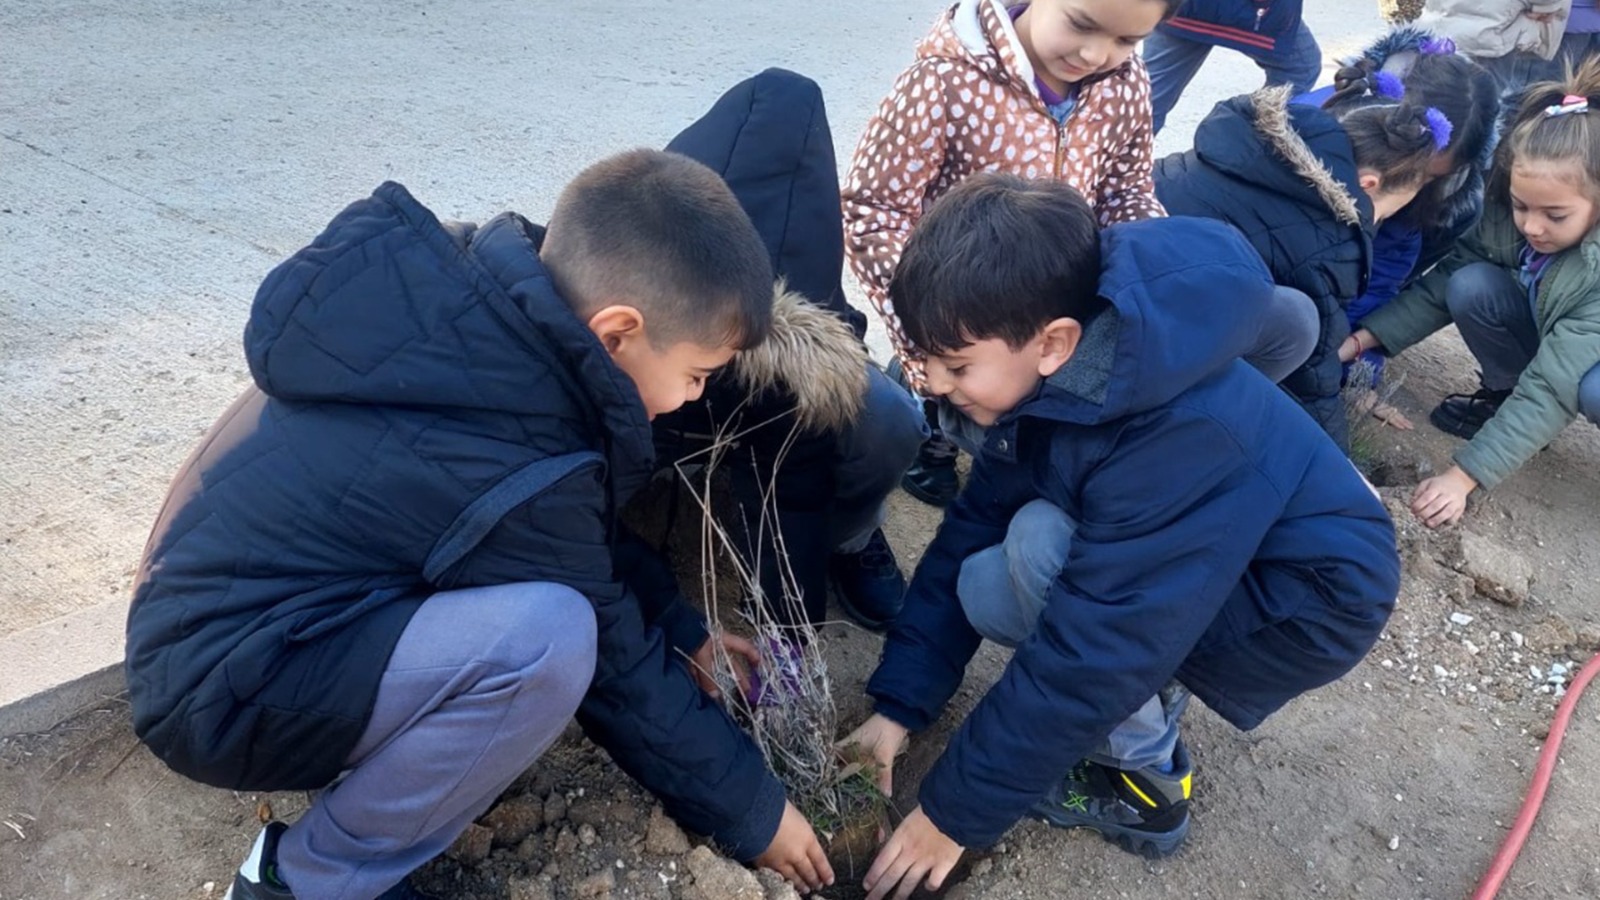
x,y
812,354
1297,151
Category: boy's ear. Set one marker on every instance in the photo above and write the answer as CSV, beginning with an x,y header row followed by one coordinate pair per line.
x,y
617,327
1058,341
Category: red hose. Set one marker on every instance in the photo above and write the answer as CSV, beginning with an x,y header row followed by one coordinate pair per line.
x,y
1507,855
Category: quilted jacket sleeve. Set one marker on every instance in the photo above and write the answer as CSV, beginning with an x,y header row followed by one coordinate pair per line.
x,y
926,653
897,159
643,707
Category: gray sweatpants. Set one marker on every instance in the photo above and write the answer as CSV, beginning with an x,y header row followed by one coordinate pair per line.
x,y
482,681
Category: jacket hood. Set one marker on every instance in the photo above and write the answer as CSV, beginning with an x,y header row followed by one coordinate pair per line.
x,y
768,138
813,354
1294,150
1186,296
980,33
384,306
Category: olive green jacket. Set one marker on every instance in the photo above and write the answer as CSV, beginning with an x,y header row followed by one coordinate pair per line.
x,y
1568,316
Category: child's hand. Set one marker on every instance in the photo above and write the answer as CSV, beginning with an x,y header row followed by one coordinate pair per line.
x,y
1442,499
917,850
796,854
704,662
884,739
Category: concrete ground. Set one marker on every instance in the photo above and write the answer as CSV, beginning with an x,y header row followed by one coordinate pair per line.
x,y
157,158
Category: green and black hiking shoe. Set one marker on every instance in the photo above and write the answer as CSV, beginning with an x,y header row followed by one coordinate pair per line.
x,y
1144,811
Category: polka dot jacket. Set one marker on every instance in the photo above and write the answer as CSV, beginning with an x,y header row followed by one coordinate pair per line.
x,y
969,104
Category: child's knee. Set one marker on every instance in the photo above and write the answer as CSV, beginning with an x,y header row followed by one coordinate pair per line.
x,y
567,666
1036,546
1474,288
544,631
894,423
1589,395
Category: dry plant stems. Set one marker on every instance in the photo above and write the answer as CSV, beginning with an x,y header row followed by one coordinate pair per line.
x,y
789,709
1360,398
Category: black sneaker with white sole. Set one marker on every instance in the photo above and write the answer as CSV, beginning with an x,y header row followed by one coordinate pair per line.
x,y
257,878
1144,811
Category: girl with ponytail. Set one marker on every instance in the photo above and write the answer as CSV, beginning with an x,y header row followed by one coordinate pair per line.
x,y
1308,187
1410,65
1523,288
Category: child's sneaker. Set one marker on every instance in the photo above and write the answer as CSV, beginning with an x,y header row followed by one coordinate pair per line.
x,y
257,878
1144,811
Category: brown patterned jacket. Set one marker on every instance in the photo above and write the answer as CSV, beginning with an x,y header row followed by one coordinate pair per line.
x,y
969,104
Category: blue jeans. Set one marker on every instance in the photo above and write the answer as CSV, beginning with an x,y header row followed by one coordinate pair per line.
x,y
480,684
872,457
1003,590
1173,61
1491,310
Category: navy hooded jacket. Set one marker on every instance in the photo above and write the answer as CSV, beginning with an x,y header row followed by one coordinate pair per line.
x,y
1285,175
1221,539
1261,29
428,414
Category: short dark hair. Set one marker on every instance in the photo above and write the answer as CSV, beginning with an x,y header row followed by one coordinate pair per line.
x,y
664,233
998,257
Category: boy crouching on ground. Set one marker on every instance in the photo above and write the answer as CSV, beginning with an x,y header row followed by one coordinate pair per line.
x,y
1149,516
393,565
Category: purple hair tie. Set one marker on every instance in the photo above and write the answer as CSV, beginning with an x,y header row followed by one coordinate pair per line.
x,y
1388,84
1439,124
1437,46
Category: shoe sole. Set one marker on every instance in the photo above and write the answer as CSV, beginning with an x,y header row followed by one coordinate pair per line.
x,y
1451,426
926,497
1150,845
875,625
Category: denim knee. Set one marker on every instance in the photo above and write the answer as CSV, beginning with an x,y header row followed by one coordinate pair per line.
x,y
1036,546
892,427
1476,292
1589,395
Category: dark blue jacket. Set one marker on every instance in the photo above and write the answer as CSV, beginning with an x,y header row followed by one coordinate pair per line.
x,y
1285,175
1221,537
1261,29
428,415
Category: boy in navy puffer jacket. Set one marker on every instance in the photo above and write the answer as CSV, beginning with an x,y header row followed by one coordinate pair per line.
x,y
1148,516
393,565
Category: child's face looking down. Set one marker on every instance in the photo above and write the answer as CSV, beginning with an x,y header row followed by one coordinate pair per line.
x,y
667,377
1552,205
987,379
1070,40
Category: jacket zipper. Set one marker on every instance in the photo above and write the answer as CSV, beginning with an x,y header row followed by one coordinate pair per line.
x,y
1261,13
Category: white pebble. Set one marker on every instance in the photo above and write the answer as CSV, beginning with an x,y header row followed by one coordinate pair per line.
x,y
1387,664
1440,671
1399,798
1472,648
1394,842
1517,638
1460,618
